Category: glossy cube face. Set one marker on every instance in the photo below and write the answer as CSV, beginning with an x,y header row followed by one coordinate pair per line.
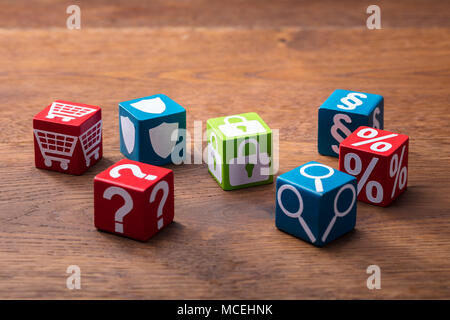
x,y
316,203
239,151
133,199
67,137
379,160
342,113
152,130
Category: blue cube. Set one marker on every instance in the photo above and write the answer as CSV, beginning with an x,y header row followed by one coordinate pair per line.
x,y
316,203
153,130
344,112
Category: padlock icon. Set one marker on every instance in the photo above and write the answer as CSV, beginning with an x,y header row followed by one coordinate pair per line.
x,y
251,168
214,159
243,127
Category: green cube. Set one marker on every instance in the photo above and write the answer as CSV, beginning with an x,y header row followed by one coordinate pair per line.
x,y
239,151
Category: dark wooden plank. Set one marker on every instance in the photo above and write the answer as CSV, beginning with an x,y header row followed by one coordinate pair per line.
x,y
230,13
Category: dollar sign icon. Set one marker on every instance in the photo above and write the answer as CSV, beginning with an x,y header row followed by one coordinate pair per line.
x,y
338,125
376,123
352,101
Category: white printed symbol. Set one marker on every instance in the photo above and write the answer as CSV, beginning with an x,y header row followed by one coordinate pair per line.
x,y
248,169
58,145
114,172
214,159
400,173
362,181
317,179
154,105
375,121
128,133
298,213
376,144
164,186
67,111
338,125
240,128
351,101
122,211
90,141
161,138
338,213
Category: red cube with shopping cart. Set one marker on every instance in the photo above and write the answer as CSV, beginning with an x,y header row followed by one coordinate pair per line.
x,y
68,137
379,161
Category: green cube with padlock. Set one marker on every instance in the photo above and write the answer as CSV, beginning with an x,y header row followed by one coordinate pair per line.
x,y
239,151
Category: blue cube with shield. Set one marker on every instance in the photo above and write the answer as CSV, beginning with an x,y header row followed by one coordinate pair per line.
x,y
344,112
316,203
153,130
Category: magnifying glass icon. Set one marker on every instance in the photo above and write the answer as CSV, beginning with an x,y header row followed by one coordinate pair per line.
x,y
298,213
317,179
337,213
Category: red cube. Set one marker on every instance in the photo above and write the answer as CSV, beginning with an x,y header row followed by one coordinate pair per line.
x,y
133,199
68,137
379,161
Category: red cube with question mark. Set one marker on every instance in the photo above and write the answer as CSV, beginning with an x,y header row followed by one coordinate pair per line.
x,y
133,199
379,161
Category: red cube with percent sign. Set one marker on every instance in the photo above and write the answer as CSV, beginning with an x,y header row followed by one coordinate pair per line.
x,y
379,161
68,137
133,199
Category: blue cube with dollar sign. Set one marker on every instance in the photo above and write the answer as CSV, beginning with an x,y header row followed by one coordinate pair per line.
x,y
316,203
153,130
344,112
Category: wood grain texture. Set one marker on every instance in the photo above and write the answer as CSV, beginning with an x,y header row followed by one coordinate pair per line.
x,y
224,244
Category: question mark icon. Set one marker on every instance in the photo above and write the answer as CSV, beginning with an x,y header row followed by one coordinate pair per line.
x,y
122,211
164,186
114,172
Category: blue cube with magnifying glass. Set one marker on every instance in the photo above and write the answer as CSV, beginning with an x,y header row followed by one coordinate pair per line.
x,y
316,203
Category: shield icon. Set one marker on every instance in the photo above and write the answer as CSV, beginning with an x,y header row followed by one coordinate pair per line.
x,y
163,138
155,105
128,133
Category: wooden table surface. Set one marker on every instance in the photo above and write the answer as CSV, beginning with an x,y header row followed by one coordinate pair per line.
x,y
281,59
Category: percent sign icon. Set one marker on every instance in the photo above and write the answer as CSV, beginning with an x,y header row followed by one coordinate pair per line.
x,y
378,144
400,173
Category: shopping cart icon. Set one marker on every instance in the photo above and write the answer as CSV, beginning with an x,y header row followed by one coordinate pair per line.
x,y
55,146
67,111
90,141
